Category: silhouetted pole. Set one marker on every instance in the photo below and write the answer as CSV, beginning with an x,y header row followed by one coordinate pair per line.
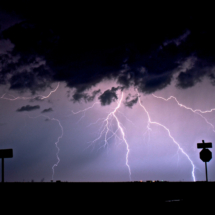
x,y
206,172
4,153
2,170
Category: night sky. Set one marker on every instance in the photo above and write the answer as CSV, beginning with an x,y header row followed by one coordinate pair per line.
x,y
85,92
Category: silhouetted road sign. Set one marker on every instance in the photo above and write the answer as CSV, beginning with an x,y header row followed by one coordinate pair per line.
x,y
205,155
204,145
6,153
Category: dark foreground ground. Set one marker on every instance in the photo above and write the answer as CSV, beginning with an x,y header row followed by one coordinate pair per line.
x,y
174,192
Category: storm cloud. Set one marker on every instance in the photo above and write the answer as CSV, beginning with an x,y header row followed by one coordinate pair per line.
x,y
47,110
108,96
28,108
130,102
38,51
85,96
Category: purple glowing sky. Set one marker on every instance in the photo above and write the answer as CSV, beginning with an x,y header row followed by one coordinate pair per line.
x,y
152,155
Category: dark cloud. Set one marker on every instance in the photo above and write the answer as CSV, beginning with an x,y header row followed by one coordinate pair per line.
x,y
153,83
212,78
195,74
47,110
3,124
85,96
186,80
7,19
129,103
5,47
76,48
24,72
28,108
109,96
25,80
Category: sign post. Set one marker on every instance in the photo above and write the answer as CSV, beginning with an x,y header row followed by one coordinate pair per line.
x,y
205,154
5,153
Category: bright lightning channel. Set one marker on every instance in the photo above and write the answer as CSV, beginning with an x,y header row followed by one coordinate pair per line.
x,y
106,123
188,108
168,131
56,143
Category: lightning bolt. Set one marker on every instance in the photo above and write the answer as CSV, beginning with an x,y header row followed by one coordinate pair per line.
x,y
168,131
105,129
83,111
58,139
32,97
188,108
53,119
